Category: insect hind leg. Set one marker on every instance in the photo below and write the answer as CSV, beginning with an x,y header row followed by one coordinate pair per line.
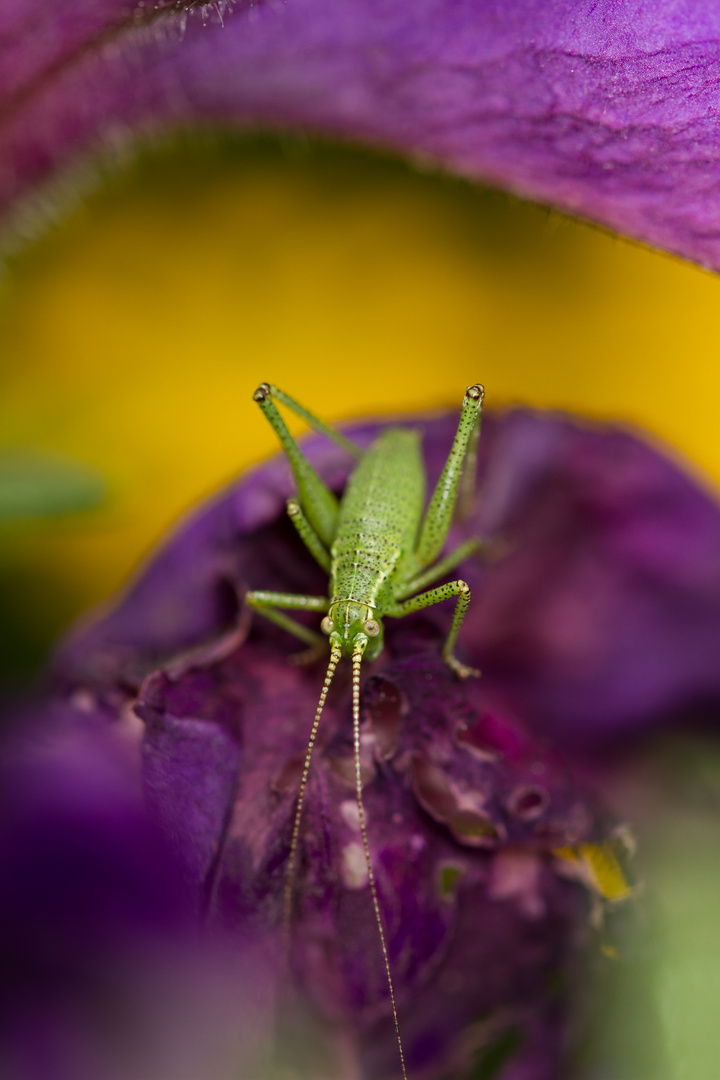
x,y
316,498
439,515
317,425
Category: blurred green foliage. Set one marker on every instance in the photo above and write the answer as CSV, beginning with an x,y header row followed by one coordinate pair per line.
x,y
36,485
46,492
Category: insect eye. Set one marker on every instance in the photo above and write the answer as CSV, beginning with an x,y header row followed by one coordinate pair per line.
x,y
327,625
371,627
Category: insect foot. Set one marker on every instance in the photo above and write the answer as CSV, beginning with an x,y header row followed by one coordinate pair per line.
x,y
462,670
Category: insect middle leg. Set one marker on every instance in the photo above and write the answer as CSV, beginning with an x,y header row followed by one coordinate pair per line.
x,y
307,534
434,596
269,605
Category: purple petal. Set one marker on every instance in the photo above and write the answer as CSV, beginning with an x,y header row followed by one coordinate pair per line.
x,y
102,975
190,772
477,922
608,110
603,614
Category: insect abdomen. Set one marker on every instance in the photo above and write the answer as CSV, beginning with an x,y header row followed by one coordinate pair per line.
x,y
379,516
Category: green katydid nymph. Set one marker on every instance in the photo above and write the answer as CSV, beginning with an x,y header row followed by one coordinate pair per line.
x,y
381,552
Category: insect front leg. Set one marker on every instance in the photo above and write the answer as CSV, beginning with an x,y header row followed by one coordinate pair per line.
x,y
443,592
269,605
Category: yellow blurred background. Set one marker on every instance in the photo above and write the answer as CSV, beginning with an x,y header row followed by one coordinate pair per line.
x,y
135,331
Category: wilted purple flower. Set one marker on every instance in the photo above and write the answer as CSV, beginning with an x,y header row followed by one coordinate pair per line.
x,y
474,809
607,109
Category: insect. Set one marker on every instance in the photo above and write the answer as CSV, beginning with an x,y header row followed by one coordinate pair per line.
x,y
381,552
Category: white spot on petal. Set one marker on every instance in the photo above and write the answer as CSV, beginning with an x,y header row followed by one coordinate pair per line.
x,y
84,700
351,814
354,867
417,843
516,878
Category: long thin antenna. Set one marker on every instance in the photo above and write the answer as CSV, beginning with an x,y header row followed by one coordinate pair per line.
x,y
290,871
357,658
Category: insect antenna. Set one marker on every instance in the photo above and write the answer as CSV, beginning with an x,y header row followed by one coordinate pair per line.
x,y
356,661
290,871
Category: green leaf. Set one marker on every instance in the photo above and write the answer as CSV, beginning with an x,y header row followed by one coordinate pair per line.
x,y
39,485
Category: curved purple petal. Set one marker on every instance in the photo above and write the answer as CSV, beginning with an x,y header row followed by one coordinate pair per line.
x,y
608,110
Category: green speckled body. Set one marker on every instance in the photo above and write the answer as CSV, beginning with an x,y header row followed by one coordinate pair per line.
x,y
381,552
378,547
379,520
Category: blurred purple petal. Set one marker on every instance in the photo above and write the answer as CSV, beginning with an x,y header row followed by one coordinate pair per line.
x,y
603,614
607,110
102,972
